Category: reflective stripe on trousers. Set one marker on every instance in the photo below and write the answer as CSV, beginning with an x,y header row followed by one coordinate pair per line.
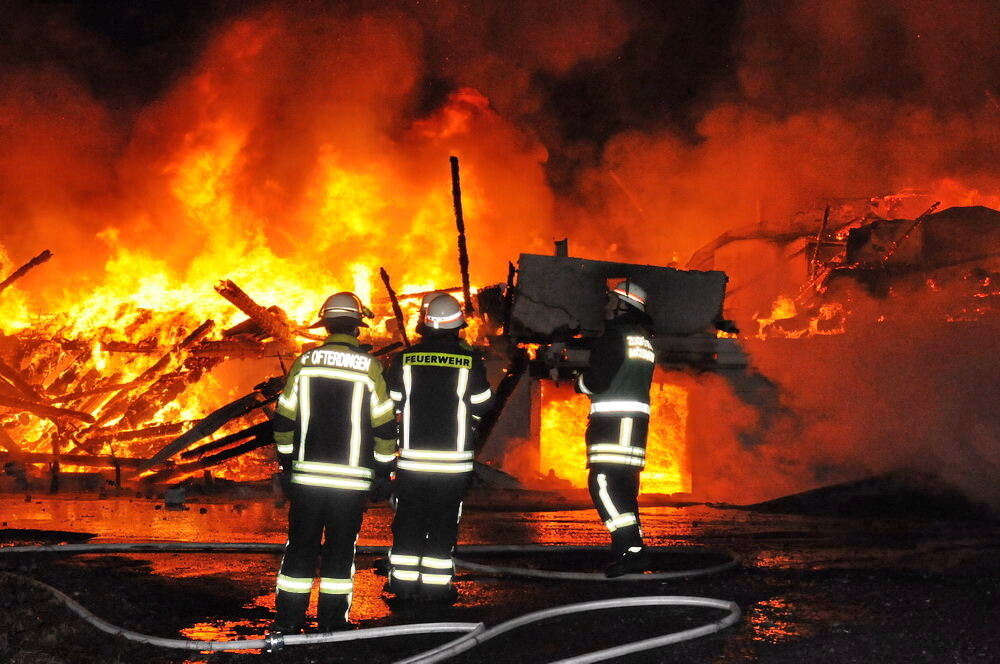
x,y
614,490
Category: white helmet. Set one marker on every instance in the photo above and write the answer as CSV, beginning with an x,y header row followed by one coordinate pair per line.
x,y
343,305
630,293
444,313
426,300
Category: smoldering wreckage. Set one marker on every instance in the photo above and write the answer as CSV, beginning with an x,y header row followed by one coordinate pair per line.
x,y
90,416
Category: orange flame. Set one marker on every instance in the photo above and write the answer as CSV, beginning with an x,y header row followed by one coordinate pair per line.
x,y
562,449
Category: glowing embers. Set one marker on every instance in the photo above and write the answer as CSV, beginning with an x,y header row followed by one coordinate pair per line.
x,y
563,422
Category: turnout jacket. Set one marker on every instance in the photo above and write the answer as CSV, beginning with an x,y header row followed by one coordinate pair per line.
x,y
335,424
440,387
617,382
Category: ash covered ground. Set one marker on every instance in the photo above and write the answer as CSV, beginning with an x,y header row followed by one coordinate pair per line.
x,y
858,587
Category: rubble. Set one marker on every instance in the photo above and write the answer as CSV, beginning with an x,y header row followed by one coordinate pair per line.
x,y
64,403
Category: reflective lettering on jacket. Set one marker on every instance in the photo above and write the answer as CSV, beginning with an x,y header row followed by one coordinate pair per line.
x,y
334,358
640,348
440,389
619,413
438,360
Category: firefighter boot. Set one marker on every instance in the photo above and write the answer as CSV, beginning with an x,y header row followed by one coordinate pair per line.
x,y
333,610
291,608
635,560
444,595
403,593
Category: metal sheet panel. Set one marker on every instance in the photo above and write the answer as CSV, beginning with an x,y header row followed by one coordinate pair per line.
x,y
558,297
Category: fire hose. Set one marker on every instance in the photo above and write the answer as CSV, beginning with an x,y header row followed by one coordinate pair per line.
x,y
474,633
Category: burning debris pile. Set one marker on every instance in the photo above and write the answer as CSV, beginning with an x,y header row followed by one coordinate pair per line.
x,y
948,259
133,396
109,397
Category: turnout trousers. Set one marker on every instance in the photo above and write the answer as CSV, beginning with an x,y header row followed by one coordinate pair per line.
x,y
424,531
323,525
615,491
616,453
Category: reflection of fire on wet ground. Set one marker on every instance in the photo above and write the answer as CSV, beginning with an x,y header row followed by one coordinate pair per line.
x,y
805,579
794,616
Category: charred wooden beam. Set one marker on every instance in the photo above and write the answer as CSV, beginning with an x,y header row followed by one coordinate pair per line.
x,y
378,352
396,310
268,321
144,347
250,432
14,377
234,347
8,443
902,238
463,253
91,460
249,327
43,364
9,390
207,462
518,365
91,403
164,390
44,410
210,424
309,335
420,294
819,241
23,270
259,441
508,296
79,394
155,431
70,374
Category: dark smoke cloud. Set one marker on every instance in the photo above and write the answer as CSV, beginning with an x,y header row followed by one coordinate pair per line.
x,y
801,54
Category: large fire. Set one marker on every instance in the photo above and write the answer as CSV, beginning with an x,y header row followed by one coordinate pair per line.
x,y
301,150
110,333
563,451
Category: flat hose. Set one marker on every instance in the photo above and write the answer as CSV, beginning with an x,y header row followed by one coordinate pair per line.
x,y
474,633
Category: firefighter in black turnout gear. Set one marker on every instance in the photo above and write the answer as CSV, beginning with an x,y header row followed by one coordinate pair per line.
x,y
440,388
617,382
335,432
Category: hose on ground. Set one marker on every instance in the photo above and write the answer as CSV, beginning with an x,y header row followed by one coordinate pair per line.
x,y
473,549
249,644
474,633
475,638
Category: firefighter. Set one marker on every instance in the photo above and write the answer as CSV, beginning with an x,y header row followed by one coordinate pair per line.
x,y
335,432
384,490
617,382
440,388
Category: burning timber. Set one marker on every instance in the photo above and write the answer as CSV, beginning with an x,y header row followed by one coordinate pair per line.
x,y
63,402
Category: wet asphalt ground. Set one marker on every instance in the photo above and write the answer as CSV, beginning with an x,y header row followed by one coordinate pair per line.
x,y
812,589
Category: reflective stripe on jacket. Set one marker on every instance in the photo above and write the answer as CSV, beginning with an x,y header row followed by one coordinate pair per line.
x,y
617,382
335,419
440,388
